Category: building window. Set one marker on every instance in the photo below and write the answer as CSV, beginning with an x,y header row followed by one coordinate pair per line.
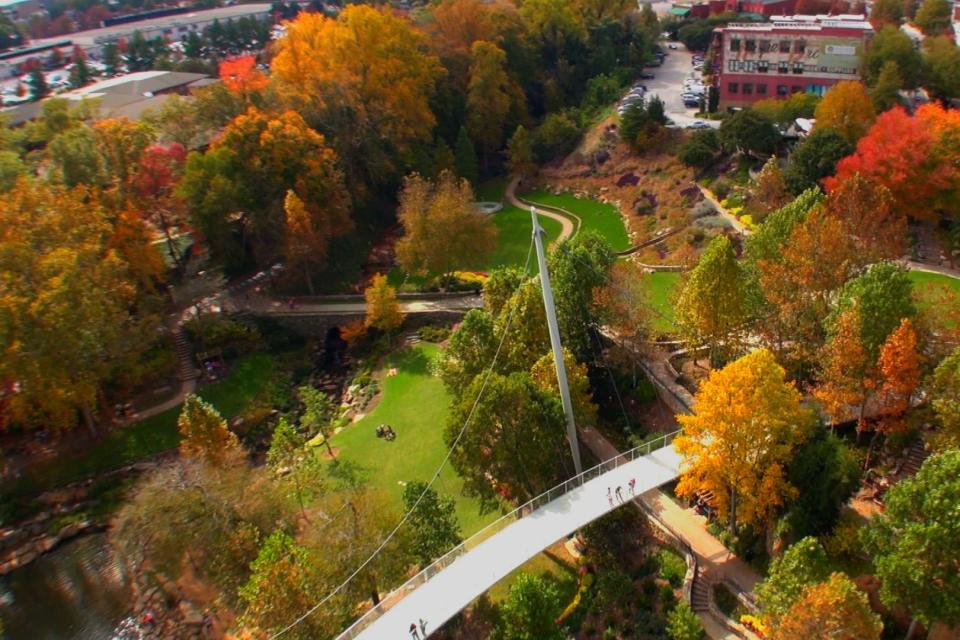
x,y
731,65
797,68
735,44
783,67
751,65
762,89
764,46
747,88
785,46
733,87
763,66
800,46
751,46
782,91
796,89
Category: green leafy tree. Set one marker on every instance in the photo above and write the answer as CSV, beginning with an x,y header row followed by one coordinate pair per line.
x,y
284,580
701,149
80,74
578,268
557,135
529,611
683,623
712,306
318,415
520,158
815,158
826,473
886,91
804,564
11,168
514,446
914,542
292,461
890,43
934,16
433,520
748,131
886,12
489,97
111,58
465,158
945,398
883,296
37,84
941,67
469,352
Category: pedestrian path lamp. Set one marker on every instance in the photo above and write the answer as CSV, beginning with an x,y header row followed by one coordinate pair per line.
x,y
538,234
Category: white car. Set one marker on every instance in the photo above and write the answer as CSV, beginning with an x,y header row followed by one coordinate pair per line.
x,y
671,46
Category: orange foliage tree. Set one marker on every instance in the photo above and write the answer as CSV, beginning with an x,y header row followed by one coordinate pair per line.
x,y
835,609
899,364
241,76
747,422
913,157
846,375
364,78
866,209
846,109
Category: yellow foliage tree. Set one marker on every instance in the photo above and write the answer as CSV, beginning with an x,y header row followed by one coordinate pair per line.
x,y
490,94
365,78
383,310
835,609
847,109
847,375
746,424
205,433
544,374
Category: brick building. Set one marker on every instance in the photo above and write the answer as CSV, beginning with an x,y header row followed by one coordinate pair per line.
x,y
756,61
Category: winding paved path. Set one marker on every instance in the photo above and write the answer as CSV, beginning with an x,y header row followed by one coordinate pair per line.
x,y
567,228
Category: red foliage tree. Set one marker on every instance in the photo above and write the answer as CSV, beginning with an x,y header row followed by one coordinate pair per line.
x,y
910,156
241,76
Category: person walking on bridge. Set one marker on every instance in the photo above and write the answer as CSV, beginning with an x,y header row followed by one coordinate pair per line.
x,y
413,631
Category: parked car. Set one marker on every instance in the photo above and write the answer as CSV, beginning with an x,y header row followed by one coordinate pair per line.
x,y
672,46
698,124
647,76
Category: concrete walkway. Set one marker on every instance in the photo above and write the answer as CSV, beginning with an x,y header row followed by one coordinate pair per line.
x,y
268,306
567,228
932,268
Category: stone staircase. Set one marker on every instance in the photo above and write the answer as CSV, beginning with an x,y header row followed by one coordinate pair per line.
x,y
700,596
187,370
916,454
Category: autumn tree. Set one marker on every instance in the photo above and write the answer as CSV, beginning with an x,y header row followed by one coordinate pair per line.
x,y
490,94
886,12
241,76
154,189
747,422
306,246
815,159
237,189
365,78
293,462
899,365
76,159
623,302
514,446
433,520
847,376
544,374
847,109
204,433
443,230
383,309
908,155
72,314
712,305
804,564
885,93
913,542
122,143
835,609
934,16
520,158
768,192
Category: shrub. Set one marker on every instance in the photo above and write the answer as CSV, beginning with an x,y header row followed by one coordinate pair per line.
x,y
683,623
673,567
844,541
702,209
721,188
434,334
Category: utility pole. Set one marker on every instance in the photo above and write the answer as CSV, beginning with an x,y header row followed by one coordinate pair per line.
x,y
551,310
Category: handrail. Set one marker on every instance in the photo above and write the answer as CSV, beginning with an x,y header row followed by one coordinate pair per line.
x,y
524,510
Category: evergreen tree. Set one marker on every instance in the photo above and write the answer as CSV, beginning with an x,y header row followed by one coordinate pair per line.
x,y
38,84
80,74
465,157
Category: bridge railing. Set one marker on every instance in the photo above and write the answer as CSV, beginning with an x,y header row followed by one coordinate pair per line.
x,y
524,510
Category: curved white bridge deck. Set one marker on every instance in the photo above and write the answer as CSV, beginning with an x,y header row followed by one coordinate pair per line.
x,y
448,585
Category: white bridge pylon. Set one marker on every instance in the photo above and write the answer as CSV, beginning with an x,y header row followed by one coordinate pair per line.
x,y
448,585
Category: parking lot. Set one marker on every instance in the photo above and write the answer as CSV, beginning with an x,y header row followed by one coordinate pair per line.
x,y
668,84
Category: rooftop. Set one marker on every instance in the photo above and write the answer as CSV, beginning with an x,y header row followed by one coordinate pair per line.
x,y
806,23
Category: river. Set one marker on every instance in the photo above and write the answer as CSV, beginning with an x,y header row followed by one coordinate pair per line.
x,y
78,591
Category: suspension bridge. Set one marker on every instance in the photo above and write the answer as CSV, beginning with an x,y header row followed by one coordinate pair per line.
x,y
450,583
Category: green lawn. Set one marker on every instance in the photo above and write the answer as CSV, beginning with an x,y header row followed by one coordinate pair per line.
x,y
515,228
147,437
594,216
923,279
416,405
661,286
